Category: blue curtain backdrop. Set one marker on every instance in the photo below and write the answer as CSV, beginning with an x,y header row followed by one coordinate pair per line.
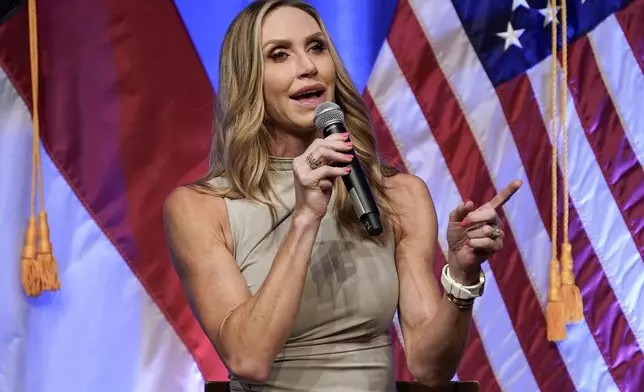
x,y
358,28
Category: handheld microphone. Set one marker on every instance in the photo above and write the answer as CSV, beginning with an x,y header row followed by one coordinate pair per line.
x,y
330,119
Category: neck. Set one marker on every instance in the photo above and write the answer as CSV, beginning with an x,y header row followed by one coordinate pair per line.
x,y
292,144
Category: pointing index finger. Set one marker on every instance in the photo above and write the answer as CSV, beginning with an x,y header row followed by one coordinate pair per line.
x,y
506,193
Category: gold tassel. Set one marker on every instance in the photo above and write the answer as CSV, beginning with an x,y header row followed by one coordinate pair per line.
x,y
45,257
570,294
31,276
555,312
38,265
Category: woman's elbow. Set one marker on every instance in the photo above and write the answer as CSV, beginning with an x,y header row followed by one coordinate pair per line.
x,y
428,377
250,369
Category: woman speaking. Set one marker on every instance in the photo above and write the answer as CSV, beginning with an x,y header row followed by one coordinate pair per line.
x,y
290,288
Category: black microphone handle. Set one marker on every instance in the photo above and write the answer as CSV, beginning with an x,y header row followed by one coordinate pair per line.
x,y
358,188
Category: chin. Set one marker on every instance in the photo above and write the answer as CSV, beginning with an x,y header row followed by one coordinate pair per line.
x,y
303,121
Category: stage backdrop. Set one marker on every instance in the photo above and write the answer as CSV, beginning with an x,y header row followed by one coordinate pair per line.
x,y
459,93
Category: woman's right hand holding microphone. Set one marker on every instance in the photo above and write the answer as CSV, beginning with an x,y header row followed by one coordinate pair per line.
x,y
314,174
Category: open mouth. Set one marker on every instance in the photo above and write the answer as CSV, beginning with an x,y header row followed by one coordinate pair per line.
x,y
309,94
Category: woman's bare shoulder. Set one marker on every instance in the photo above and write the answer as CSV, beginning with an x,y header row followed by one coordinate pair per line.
x,y
405,188
411,202
197,213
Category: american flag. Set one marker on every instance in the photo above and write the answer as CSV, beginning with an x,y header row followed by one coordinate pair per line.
x,y
459,93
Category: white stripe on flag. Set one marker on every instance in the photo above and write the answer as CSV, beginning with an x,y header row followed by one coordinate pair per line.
x,y
402,114
101,331
597,208
486,119
623,79
15,130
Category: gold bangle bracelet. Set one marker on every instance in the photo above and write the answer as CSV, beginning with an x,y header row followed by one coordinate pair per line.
x,y
460,303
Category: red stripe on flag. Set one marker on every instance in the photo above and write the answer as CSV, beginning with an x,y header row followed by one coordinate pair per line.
x,y
601,307
123,120
475,364
605,133
165,126
630,18
469,170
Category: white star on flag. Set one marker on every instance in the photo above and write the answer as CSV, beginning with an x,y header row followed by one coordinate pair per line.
x,y
548,15
519,3
511,37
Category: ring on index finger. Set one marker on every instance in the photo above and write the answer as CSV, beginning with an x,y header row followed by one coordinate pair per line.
x,y
496,232
313,163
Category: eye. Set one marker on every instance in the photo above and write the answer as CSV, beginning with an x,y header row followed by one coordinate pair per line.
x,y
278,55
318,46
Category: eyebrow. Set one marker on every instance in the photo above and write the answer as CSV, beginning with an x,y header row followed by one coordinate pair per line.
x,y
284,42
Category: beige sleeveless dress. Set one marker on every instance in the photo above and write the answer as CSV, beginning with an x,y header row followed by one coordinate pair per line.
x,y
341,337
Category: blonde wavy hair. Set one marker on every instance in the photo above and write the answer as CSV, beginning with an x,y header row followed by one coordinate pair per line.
x,y
241,144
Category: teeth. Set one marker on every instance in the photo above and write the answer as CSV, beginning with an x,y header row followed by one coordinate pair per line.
x,y
309,94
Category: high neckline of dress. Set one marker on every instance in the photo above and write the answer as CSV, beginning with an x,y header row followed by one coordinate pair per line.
x,y
280,163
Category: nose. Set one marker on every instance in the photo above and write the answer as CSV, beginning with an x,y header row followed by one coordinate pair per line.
x,y
306,67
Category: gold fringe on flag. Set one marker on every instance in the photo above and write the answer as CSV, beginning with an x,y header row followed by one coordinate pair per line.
x,y
38,264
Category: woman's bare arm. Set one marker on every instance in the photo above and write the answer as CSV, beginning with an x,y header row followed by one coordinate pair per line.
x,y
434,330
247,331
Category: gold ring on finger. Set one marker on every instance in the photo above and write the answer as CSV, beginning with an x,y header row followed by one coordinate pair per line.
x,y
313,163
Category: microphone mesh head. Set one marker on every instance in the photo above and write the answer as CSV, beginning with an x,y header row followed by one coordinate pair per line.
x,y
327,113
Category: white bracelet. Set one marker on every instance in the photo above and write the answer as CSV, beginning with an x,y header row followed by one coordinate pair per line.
x,y
461,291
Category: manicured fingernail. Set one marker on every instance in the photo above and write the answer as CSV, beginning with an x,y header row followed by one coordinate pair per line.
x,y
347,169
349,144
345,135
464,223
349,156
